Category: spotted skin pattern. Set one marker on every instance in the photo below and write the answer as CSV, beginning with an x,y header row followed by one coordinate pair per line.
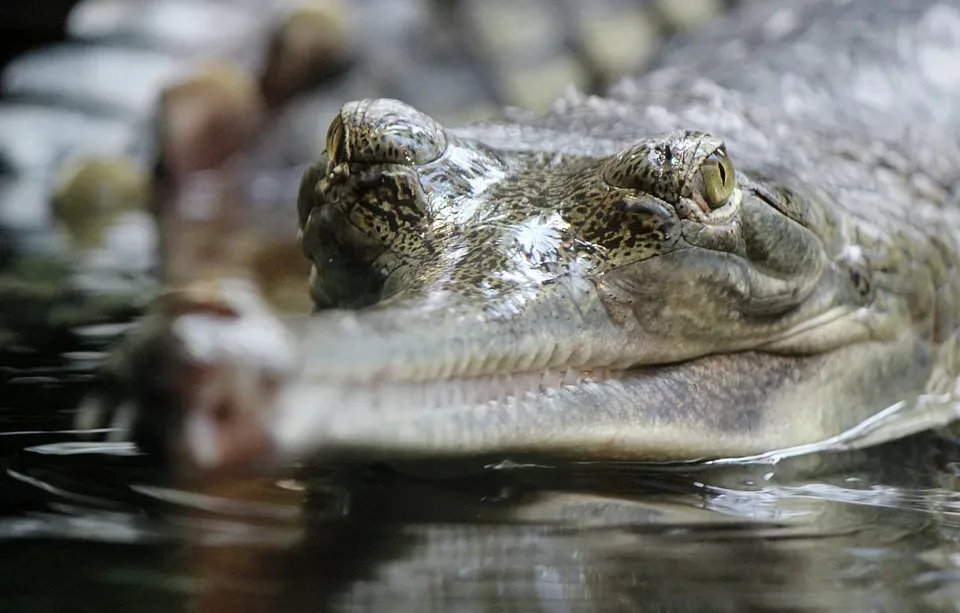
x,y
394,192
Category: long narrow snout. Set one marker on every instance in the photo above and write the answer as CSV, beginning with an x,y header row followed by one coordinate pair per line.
x,y
440,338
422,381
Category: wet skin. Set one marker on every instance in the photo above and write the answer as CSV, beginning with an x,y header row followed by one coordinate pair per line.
x,y
720,258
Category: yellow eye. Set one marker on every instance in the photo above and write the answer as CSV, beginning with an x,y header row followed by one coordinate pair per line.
x,y
716,179
336,144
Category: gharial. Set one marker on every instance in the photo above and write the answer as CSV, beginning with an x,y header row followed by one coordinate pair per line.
x,y
752,246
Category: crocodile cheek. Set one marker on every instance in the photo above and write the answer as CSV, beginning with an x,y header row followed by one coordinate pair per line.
x,y
727,237
725,287
781,247
693,302
629,230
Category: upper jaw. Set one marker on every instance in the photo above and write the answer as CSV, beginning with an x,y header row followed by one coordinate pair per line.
x,y
444,337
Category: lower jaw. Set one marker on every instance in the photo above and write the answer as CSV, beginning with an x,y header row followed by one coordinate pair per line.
x,y
661,413
724,405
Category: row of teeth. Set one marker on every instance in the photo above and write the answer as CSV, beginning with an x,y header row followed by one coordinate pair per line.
x,y
472,391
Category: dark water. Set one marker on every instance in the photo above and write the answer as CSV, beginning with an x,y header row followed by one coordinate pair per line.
x,y
102,529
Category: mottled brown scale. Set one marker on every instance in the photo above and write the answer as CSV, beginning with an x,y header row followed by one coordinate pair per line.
x,y
664,167
439,212
381,131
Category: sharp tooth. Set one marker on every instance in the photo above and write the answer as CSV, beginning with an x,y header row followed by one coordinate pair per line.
x,y
570,377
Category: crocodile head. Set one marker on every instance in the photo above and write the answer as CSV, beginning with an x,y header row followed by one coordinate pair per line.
x,y
654,300
650,302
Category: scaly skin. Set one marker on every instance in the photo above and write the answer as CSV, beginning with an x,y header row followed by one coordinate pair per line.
x,y
580,283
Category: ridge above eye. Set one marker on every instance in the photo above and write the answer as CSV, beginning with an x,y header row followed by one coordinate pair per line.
x,y
681,164
384,131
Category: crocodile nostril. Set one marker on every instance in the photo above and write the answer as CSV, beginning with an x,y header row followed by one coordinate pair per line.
x,y
384,131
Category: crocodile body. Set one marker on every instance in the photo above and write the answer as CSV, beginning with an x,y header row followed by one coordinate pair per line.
x,y
752,246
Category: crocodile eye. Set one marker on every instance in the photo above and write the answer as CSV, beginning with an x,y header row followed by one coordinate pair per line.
x,y
715,180
336,144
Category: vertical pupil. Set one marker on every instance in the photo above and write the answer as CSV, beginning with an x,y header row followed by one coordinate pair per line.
x,y
723,174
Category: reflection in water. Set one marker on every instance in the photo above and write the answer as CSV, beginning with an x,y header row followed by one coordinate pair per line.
x,y
866,530
873,529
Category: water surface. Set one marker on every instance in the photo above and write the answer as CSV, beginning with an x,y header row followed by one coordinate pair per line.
x,y
101,528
